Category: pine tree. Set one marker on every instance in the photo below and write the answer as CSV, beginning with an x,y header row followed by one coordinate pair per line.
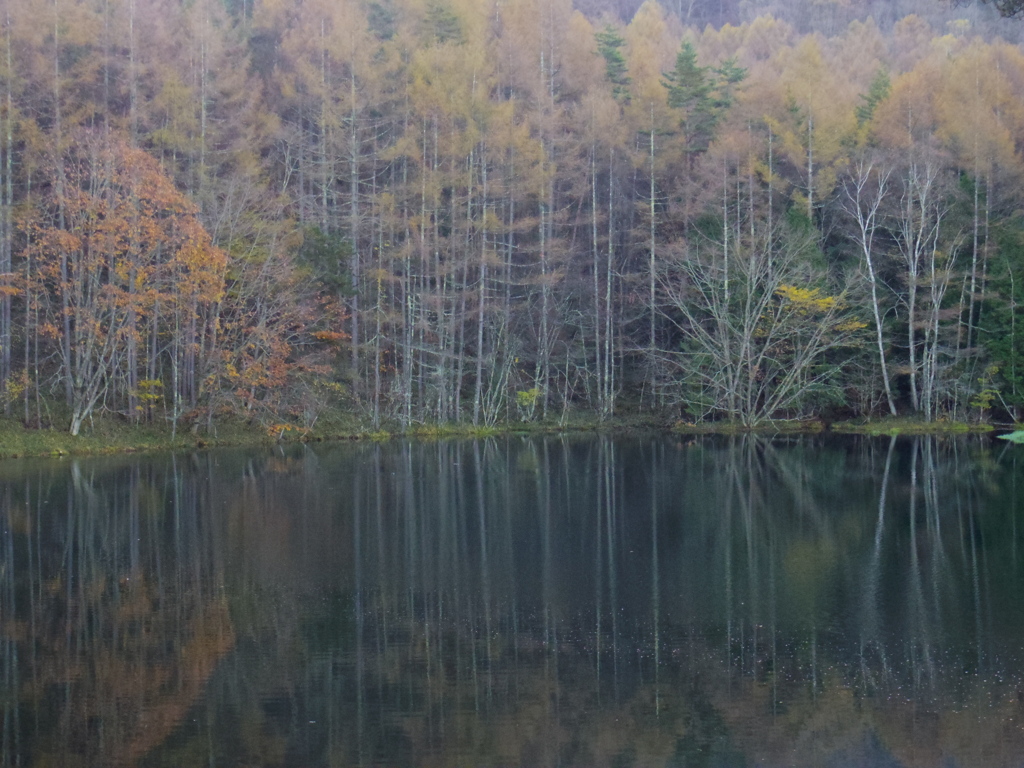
x,y
609,43
691,89
442,23
878,91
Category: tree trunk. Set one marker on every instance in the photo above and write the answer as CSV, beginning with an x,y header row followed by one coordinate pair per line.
x,y
866,213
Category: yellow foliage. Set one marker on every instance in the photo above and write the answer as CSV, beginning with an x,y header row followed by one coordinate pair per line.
x,y
15,388
149,390
850,326
805,300
278,431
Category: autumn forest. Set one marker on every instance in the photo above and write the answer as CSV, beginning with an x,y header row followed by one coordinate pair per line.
x,y
435,211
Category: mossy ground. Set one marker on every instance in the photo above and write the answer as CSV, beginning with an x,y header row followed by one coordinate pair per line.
x,y
110,434
908,426
779,426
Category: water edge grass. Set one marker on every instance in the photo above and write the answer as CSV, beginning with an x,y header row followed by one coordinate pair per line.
x,y
109,434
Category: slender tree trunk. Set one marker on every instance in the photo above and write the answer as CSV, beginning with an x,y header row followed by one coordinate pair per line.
x,y
482,298
653,261
609,275
810,168
602,402
6,201
133,80
203,101
509,272
29,332
353,183
152,352
975,231
416,299
541,369
938,283
378,313
66,346
734,367
866,213
983,282
131,352
326,170
913,276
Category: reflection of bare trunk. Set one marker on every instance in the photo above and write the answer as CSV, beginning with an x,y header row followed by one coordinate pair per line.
x,y
774,629
921,654
485,568
543,504
598,567
610,517
446,602
655,579
976,592
10,748
870,622
726,534
360,616
128,590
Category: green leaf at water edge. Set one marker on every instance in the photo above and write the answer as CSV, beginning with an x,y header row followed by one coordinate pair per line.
x,y
1014,437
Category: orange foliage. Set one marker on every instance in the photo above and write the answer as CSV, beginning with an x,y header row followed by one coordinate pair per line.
x,y
121,262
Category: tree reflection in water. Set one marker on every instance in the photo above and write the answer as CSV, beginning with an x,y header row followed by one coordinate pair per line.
x,y
523,601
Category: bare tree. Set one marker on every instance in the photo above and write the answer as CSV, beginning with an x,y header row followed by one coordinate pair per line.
x,y
864,193
918,228
759,347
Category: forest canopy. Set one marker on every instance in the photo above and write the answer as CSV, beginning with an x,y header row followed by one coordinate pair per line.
x,y
455,210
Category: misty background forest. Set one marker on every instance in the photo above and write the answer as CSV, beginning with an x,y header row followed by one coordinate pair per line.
x,y
482,210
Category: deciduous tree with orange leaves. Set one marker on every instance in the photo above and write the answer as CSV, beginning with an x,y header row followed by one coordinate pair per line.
x,y
125,277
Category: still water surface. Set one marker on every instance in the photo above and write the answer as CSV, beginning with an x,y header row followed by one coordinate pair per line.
x,y
577,601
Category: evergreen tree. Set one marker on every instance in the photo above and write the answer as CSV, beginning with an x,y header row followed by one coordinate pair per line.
x,y
442,23
609,43
728,76
877,92
691,90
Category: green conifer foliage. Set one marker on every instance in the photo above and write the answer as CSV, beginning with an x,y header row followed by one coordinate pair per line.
x,y
702,94
877,93
442,23
609,44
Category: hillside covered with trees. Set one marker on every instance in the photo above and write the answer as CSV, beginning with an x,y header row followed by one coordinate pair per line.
x,y
478,210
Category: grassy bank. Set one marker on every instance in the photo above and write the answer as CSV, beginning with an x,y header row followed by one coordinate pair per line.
x,y
107,435
871,427
111,435
780,426
904,426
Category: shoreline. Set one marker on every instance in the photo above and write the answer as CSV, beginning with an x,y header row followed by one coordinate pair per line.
x,y
109,437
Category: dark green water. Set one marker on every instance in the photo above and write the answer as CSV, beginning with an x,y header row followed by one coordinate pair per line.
x,y
574,601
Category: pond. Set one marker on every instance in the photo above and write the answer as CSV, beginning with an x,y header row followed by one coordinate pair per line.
x,y
647,600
